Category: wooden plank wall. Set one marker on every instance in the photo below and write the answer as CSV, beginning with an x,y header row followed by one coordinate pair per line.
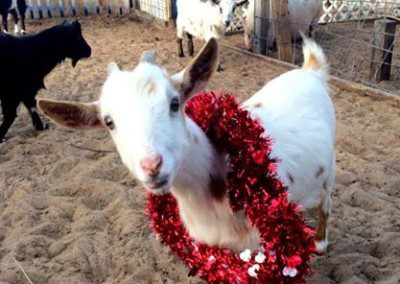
x,y
43,9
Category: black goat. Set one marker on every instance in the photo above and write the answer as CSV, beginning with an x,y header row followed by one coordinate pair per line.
x,y
24,63
14,7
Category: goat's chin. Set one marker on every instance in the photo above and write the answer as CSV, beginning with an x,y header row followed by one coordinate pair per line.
x,y
158,191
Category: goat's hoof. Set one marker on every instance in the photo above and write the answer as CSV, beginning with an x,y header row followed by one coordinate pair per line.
x,y
191,53
181,55
43,127
2,140
23,33
321,247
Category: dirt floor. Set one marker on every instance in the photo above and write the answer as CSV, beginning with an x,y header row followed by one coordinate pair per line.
x,y
70,215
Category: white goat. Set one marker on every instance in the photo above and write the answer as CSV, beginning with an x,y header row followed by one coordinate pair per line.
x,y
203,19
303,15
165,150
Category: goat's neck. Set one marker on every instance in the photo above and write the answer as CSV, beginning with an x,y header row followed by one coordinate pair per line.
x,y
47,50
202,163
199,188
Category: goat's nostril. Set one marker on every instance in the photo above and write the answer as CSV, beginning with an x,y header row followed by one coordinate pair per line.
x,y
151,165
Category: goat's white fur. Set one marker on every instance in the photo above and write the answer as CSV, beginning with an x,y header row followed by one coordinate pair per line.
x,y
295,109
303,14
204,19
298,115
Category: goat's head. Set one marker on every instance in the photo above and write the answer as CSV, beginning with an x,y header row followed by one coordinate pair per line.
x,y
144,112
227,9
76,46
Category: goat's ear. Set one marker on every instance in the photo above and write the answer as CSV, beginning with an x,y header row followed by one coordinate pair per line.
x,y
76,116
195,77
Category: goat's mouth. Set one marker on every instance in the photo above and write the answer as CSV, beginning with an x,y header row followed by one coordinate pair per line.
x,y
157,187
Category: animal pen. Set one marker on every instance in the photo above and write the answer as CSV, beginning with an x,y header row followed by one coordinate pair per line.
x,y
358,36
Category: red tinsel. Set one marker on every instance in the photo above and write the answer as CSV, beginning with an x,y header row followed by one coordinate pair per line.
x,y
286,241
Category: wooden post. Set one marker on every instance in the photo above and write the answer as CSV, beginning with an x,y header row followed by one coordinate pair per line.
x,y
125,7
35,8
261,25
43,9
170,13
55,13
67,8
80,8
114,6
91,6
382,52
281,17
103,5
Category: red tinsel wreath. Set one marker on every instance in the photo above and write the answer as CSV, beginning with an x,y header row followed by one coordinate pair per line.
x,y
286,241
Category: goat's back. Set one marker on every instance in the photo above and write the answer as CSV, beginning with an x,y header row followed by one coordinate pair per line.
x,y
12,58
298,115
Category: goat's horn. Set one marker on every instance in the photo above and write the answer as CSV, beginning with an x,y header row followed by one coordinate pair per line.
x,y
241,2
112,67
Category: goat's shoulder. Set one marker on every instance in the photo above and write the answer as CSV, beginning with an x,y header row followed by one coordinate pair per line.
x,y
298,85
298,94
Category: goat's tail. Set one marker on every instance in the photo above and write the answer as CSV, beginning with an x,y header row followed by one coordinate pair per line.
x,y
314,58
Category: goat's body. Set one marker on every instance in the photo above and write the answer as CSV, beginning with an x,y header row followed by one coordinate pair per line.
x,y
25,62
168,152
303,15
20,58
200,19
203,20
298,115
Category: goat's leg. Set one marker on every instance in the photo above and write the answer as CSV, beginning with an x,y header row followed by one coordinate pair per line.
x,y
310,31
180,47
22,7
4,15
179,34
321,237
15,17
190,44
9,115
23,28
30,104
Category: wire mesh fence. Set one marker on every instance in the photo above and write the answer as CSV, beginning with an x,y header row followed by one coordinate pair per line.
x,y
359,37
156,8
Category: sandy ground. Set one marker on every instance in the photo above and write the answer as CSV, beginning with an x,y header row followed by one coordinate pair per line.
x,y
70,215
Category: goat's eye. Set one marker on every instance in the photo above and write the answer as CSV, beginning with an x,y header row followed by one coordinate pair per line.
x,y
109,122
174,104
220,10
